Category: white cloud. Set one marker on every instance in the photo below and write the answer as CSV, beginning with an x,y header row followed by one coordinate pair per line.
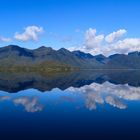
x,y
107,45
115,35
5,39
127,45
92,40
122,46
30,33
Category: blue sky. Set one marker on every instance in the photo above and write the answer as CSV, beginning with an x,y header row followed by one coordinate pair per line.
x,y
65,22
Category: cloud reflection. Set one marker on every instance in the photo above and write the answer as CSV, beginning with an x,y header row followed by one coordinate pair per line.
x,y
115,102
94,94
30,104
4,98
114,95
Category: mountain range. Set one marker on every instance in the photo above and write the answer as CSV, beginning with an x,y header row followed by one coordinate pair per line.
x,y
13,56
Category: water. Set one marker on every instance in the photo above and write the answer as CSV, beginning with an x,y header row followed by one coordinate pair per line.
x,y
71,105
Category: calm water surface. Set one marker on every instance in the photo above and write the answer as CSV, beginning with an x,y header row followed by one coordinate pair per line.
x,y
84,105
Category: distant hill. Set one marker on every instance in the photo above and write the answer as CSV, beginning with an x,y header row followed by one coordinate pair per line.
x,y
13,56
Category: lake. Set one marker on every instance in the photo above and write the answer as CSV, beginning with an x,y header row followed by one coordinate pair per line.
x,y
81,105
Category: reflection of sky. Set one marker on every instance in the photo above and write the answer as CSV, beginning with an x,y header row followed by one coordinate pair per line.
x,y
111,94
30,104
89,96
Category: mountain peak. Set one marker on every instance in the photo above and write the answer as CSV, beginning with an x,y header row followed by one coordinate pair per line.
x,y
13,47
136,53
64,51
44,48
116,55
100,56
82,54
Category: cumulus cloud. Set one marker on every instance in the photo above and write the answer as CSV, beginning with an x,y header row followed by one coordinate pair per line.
x,y
127,45
30,33
115,35
4,39
92,41
109,44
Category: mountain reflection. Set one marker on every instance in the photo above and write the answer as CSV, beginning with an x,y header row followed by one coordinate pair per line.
x,y
15,82
112,88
